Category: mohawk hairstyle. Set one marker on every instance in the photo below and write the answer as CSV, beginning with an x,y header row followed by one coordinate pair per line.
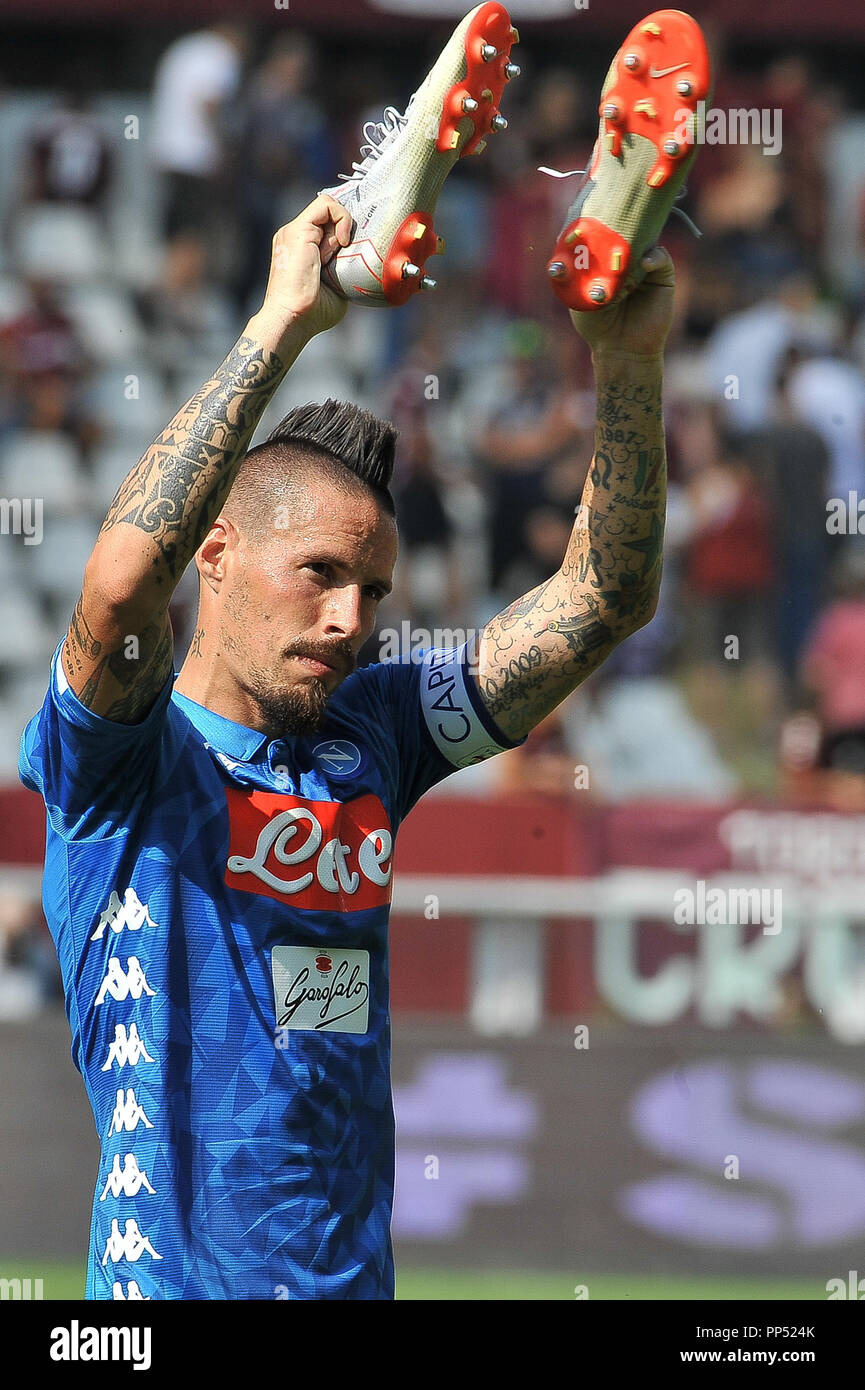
x,y
337,442
354,436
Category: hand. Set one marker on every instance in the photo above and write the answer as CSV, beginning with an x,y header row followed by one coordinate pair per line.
x,y
295,296
638,324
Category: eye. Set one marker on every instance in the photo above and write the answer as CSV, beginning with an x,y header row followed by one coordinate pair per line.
x,y
318,567
375,592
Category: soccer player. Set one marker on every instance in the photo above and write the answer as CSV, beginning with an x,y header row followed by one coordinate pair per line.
x,y
219,842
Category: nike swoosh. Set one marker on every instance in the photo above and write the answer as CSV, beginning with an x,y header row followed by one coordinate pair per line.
x,y
665,72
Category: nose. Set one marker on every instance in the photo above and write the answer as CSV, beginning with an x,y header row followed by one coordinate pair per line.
x,y
344,613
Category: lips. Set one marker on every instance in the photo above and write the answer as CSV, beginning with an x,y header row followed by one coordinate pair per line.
x,y
323,664
321,667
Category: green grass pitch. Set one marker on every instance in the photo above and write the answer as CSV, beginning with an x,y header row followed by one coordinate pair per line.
x,y
62,1280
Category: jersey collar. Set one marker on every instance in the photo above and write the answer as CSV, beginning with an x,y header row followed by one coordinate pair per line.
x,y
222,734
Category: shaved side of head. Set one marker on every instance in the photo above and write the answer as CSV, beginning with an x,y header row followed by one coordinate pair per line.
x,y
336,443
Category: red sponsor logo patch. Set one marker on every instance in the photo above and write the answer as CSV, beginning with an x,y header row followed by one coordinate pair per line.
x,y
329,856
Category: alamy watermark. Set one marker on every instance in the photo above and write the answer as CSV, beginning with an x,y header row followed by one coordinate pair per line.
x,y
22,516
737,126
407,645
707,905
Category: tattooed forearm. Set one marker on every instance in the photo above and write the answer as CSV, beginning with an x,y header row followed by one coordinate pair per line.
x,y
176,490
117,655
541,647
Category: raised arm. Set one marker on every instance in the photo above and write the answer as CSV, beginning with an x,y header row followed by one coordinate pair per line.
x,y
532,655
117,654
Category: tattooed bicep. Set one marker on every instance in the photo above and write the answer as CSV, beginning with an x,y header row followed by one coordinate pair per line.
x,y
116,673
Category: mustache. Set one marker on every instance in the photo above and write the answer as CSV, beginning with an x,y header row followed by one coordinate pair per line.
x,y
338,654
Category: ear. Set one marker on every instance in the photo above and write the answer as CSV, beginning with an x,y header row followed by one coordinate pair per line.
x,y
215,554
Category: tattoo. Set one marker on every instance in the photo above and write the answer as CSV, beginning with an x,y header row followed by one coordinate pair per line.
x,y
170,499
543,646
523,606
176,490
195,649
125,686
582,634
80,644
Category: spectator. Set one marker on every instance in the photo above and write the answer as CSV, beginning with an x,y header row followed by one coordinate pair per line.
x,y
827,392
43,369
68,156
796,463
196,76
833,671
531,423
728,578
284,152
746,349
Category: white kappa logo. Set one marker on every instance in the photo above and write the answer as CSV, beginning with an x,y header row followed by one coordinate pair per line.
x,y
133,1291
127,1114
131,1245
127,1048
120,986
126,1181
131,913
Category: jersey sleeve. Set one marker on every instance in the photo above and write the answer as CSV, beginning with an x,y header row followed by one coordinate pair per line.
x,y
438,720
89,770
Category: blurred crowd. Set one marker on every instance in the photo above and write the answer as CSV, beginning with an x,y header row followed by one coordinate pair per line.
x,y
135,241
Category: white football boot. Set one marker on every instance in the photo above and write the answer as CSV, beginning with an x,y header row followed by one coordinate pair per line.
x,y
391,194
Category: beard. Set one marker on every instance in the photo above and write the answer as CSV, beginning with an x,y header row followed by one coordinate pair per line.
x,y
300,708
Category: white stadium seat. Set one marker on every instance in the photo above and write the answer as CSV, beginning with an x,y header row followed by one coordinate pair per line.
x,y
43,463
57,241
131,401
105,321
56,567
25,637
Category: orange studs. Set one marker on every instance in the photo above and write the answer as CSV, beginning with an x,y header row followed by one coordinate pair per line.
x,y
646,108
652,29
515,34
572,237
616,261
656,178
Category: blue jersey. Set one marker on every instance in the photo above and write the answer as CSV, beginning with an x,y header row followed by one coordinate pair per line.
x,y
219,902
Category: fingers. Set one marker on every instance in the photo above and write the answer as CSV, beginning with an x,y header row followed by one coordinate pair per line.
x,y
658,265
323,210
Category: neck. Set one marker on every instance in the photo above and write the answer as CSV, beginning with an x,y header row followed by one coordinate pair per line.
x,y
206,678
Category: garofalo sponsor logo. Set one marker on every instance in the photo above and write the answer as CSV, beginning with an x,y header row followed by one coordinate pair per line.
x,y
77,1343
